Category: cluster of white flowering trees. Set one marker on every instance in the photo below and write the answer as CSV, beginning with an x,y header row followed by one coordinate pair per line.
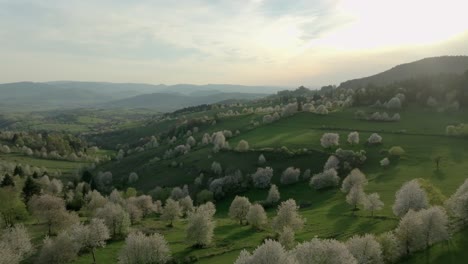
x,y
314,251
140,248
15,245
420,226
290,175
262,177
353,185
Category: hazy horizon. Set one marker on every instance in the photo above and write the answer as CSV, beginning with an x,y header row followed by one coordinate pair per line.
x,y
279,43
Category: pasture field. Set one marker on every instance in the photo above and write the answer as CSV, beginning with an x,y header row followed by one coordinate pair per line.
x,y
327,213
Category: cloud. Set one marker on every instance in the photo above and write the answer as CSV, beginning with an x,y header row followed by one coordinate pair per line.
x,y
204,41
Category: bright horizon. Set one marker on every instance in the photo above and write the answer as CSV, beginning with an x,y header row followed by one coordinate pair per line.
x,y
255,42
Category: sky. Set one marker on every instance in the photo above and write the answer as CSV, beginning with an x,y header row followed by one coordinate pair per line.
x,y
251,42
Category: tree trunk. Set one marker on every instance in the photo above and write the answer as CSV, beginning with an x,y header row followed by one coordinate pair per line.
x,y
94,257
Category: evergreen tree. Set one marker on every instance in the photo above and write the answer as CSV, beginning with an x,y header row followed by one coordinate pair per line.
x,y
18,171
30,188
86,176
7,181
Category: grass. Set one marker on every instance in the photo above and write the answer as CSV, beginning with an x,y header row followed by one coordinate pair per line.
x,y
66,167
327,214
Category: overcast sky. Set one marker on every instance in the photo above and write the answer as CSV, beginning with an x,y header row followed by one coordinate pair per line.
x,y
263,42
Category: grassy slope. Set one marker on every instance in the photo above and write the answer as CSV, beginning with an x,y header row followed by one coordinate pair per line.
x,y
328,215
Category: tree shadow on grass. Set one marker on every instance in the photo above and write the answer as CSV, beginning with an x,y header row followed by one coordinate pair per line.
x,y
438,174
227,228
339,209
240,234
387,174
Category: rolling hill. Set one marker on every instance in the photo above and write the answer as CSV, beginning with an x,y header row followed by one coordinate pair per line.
x,y
421,68
172,101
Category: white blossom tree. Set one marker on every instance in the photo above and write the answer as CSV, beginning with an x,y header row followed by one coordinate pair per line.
x,y
290,175
115,217
332,163
262,177
457,204
374,139
186,205
15,245
261,159
410,232
134,213
326,251
287,216
273,195
171,211
321,110
116,197
270,252
365,249
132,178
355,197
219,141
329,140
200,227
91,236
385,162
434,225
239,208
51,210
143,249
143,202
242,146
58,250
328,178
394,103
306,174
391,249
95,200
256,216
216,168
353,138
191,141
354,178
287,238
177,193
373,203
409,196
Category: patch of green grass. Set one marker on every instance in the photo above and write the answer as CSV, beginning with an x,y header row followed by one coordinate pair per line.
x,y
327,214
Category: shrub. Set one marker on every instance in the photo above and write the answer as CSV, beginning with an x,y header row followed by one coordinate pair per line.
x,y
242,146
396,151
385,162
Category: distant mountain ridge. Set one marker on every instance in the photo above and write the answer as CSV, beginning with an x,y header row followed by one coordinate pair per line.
x,y
420,68
27,96
172,101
